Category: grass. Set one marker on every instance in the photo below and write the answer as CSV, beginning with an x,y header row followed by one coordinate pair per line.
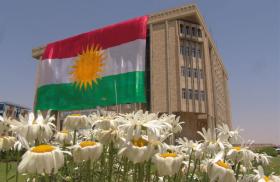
x,y
12,171
274,166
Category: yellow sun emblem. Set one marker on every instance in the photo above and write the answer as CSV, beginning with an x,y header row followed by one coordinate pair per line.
x,y
88,67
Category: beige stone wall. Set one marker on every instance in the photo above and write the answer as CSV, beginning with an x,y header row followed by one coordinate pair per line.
x,y
159,90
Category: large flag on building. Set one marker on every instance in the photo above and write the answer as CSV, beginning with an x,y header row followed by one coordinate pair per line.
x,y
98,68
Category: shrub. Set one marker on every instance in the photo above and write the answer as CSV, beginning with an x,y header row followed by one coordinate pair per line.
x,y
268,150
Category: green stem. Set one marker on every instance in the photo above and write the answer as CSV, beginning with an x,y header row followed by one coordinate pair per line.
x,y
75,135
6,171
237,171
189,165
195,164
125,166
111,160
17,157
148,171
134,173
140,172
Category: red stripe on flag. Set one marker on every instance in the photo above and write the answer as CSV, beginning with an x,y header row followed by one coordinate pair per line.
x,y
106,37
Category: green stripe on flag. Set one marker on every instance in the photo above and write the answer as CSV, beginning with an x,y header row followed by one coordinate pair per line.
x,y
129,88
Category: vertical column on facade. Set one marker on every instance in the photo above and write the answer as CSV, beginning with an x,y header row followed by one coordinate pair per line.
x,y
167,67
198,72
151,70
186,60
208,83
215,99
227,100
204,73
178,66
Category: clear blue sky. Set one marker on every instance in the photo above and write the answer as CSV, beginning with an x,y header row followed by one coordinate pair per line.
x,y
247,34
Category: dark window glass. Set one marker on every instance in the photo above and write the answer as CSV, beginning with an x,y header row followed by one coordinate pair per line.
x,y
181,28
193,31
190,94
184,93
201,74
199,53
202,95
189,72
183,71
193,52
187,51
181,50
196,95
199,32
195,73
187,30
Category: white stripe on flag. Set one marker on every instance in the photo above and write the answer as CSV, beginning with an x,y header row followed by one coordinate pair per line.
x,y
128,57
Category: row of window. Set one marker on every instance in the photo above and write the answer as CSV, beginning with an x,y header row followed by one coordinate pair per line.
x,y
187,30
193,94
193,51
189,72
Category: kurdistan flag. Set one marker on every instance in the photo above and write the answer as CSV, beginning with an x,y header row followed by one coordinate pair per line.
x,y
98,68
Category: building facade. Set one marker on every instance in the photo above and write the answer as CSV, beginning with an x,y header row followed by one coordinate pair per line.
x,y
185,74
12,110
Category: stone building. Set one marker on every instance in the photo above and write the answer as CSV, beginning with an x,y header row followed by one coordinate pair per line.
x,y
185,73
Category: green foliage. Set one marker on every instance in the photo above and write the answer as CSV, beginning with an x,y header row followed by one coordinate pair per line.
x,y
268,150
274,166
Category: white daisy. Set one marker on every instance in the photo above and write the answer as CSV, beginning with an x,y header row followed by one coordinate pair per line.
x,y
137,150
76,122
41,159
135,124
168,162
4,125
32,129
7,142
219,170
64,137
87,150
211,143
261,177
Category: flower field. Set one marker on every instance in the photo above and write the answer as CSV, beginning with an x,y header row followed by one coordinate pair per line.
x,y
138,146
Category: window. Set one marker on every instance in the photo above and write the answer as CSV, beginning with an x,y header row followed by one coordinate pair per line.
x,y
183,71
202,96
187,30
187,51
195,73
196,95
199,32
198,53
181,50
181,29
190,94
184,93
193,52
201,74
1,107
193,31
189,72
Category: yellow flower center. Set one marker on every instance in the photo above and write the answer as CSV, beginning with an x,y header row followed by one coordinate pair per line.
x,y
266,178
75,115
168,154
42,148
223,164
139,142
238,148
87,143
66,132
